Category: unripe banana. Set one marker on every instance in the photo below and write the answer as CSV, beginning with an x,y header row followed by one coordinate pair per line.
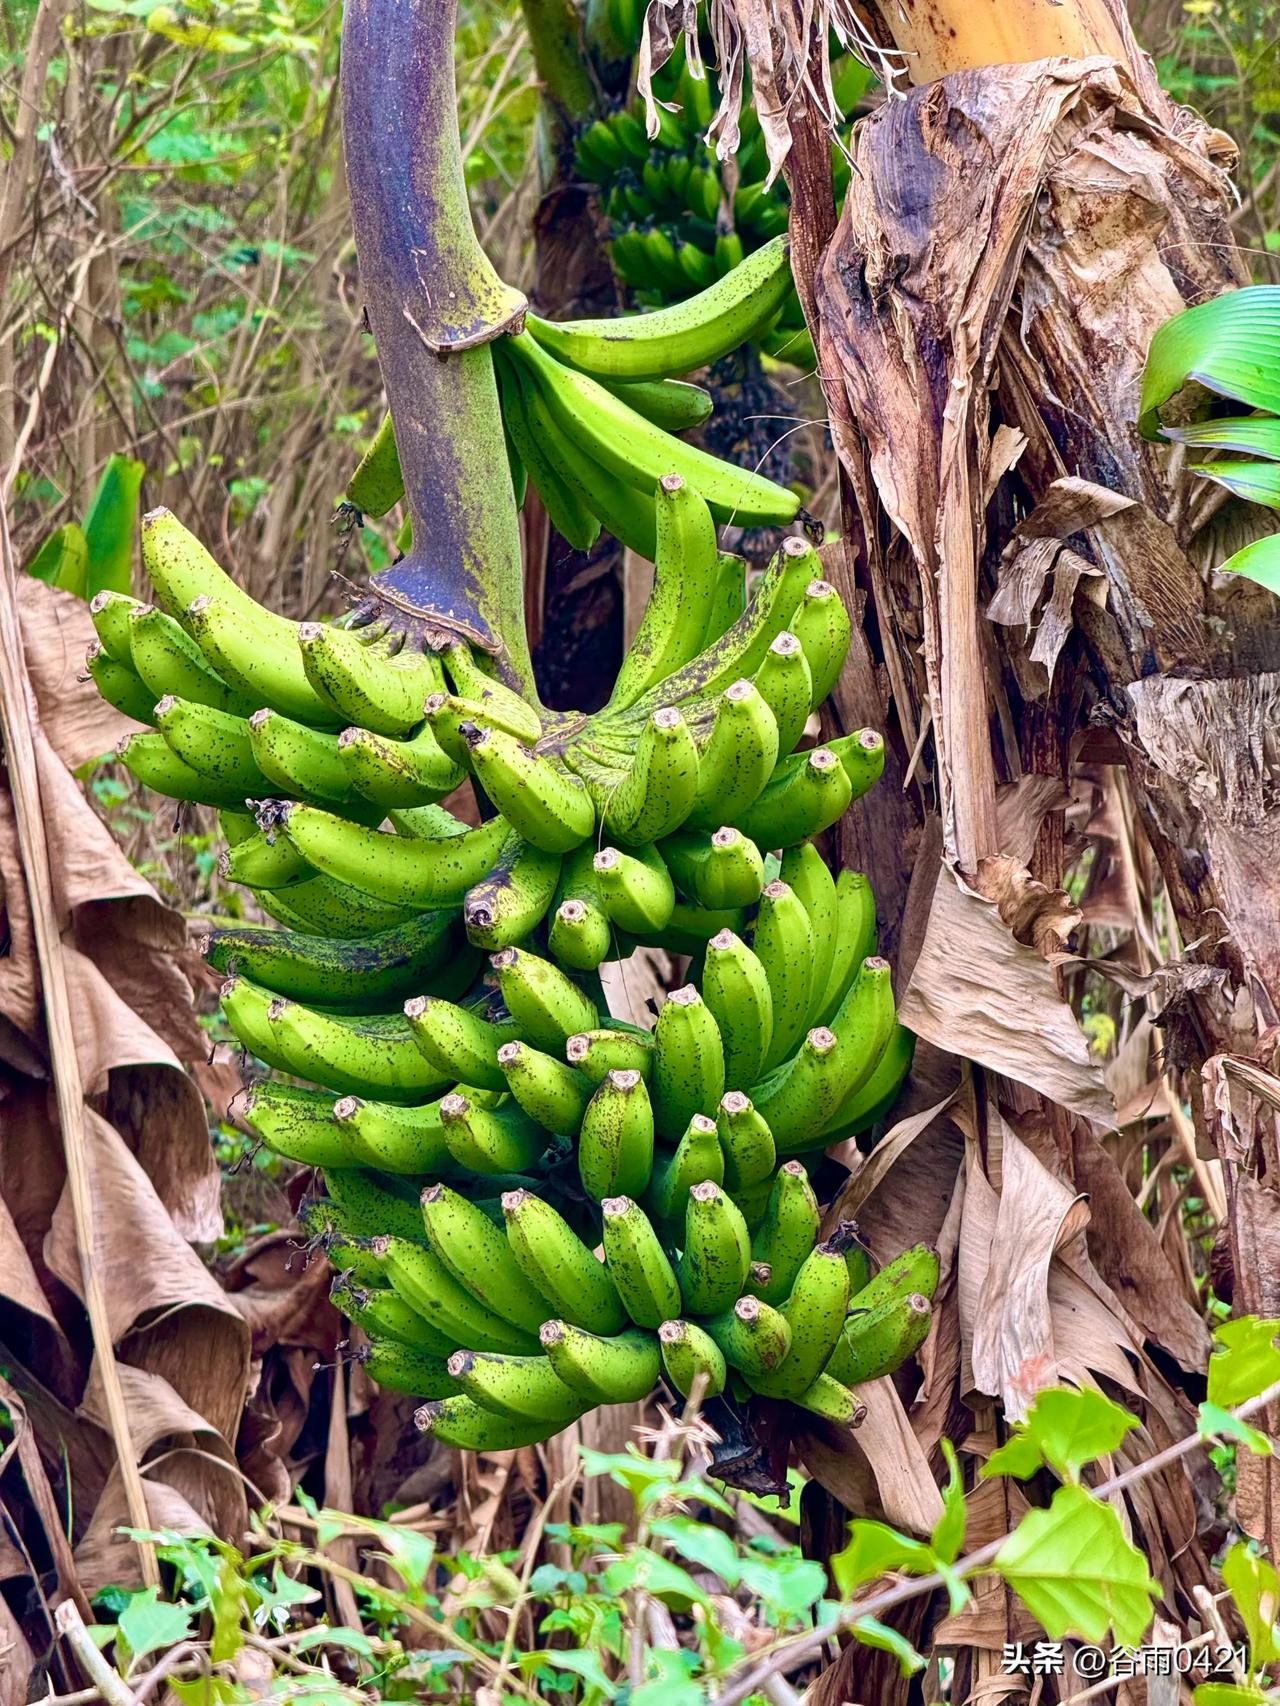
x,y
461,1422
754,1337
245,1008
580,935
478,1255
860,1111
691,1357
502,908
716,1260
394,867
738,759
458,1042
501,706
214,743
615,1145
718,871
490,1141
521,1388
427,1285
551,1093
349,1254
657,792
559,1265
546,1006
783,944
170,661
863,1023
808,793
829,1398
110,612
377,484
384,1315
750,1154
696,1157
368,685
815,1313
635,889
619,1369
855,939
403,1368
149,757
261,666
787,1233
915,1270
370,1207
688,1076
810,880
821,624
784,683
875,1342
729,600
862,756
799,1096
543,802
638,1265
735,987
372,1053
401,1141
598,1053
264,862
119,685
299,1124
395,773
448,714
299,761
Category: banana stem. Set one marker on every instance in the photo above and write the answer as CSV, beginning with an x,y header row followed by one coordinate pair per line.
x,y
434,304
555,36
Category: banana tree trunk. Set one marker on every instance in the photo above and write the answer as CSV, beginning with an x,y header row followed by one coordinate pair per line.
x,y
434,303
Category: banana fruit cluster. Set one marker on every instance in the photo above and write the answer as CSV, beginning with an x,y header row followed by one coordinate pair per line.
x,y
677,222
590,410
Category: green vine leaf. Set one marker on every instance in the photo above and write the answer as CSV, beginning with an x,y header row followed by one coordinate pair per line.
x,y
1246,1363
873,1550
1065,1429
948,1534
1213,1422
872,1633
1076,1572
1255,1587
1228,1694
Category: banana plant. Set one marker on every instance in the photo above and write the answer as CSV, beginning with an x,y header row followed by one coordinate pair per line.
x,y
1230,345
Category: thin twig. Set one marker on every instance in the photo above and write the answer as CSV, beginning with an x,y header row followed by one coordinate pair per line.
x,y
106,1679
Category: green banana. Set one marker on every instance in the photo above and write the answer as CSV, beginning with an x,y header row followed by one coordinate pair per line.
x,y
915,1270
691,1358
688,1076
493,1142
367,684
299,1125
402,1368
181,570
691,335
370,1054
638,453
458,1042
598,1053
686,566
474,684
821,624
560,1267
546,804
545,1004
862,756
750,1154
617,1369
656,794
638,1265
859,1111
427,1285
521,1388
370,1206
402,1141
783,944
729,600
245,1008
478,1255
717,871
394,773
615,1143
393,867
801,1094
814,1311
786,1235
672,404
448,715
635,889
716,1258
169,661
568,512
119,685
580,935
383,1315
461,1422
360,975
696,1158
738,759
735,987
807,874
264,862
110,612
754,1337
513,899
874,1342
215,744
551,1093
855,939
785,684
260,663
808,793
326,1229
864,1023
829,1398
299,761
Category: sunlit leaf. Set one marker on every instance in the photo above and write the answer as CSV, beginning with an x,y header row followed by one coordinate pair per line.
x,y
872,1633
1065,1428
149,1623
1255,1587
1076,1572
111,526
699,1543
1259,434
873,1550
1229,1694
62,560
1230,345
1246,1362
948,1534
1213,1422
1258,562
1256,482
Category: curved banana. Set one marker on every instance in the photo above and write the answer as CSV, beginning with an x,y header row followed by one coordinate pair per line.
x,y
787,1233
396,773
691,1358
546,1006
478,1255
560,1267
513,899
491,1142
635,888
615,1143
553,1094
406,1142
638,1265
695,1159
260,662
521,1388
716,1257
368,685
808,793
169,661
719,871
617,1369
688,1075
750,1154
393,867
783,680
735,987
598,1053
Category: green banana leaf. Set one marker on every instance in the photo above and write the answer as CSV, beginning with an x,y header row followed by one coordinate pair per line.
x,y
1258,482
62,560
1258,562
1230,345
1257,433
111,527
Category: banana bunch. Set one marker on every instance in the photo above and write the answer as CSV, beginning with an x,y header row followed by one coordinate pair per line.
x,y
590,409
678,221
